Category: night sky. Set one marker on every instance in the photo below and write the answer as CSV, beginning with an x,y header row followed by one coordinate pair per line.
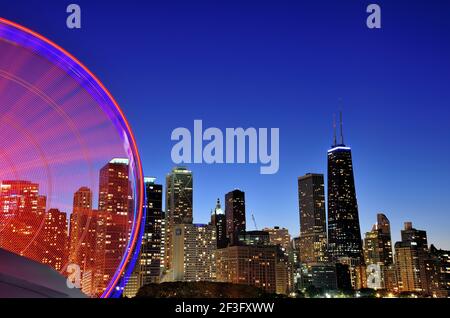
x,y
279,64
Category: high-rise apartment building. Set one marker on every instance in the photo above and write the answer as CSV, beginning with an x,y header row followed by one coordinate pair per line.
x,y
83,230
113,219
313,224
410,256
53,239
438,272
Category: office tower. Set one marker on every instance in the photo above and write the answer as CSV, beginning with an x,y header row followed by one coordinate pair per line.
x,y
248,265
235,214
280,237
378,255
377,243
313,227
150,257
148,265
384,228
53,240
113,219
319,275
411,254
219,220
83,226
194,248
372,250
22,212
344,234
179,205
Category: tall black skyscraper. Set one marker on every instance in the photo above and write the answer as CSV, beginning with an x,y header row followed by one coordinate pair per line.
x,y
344,233
219,220
150,257
313,223
235,214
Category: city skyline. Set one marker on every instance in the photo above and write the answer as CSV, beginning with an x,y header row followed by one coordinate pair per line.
x,y
300,60
95,193
355,203
189,247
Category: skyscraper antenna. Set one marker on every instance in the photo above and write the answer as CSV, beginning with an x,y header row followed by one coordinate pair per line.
x,y
334,131
342,129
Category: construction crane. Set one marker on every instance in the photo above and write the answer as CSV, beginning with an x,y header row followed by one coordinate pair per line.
x,y
254,222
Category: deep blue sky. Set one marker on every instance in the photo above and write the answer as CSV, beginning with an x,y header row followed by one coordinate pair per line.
x,y
280,64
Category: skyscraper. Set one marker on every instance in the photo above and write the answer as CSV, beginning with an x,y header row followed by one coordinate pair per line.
x,y
313,227
179,205
219,220
411,254
53,240
438,265
407,261
281,238
194,248
83,230
22,212
344,233
419,237
113,224
82,199
378,244
235,214
378,255
148,265
150,257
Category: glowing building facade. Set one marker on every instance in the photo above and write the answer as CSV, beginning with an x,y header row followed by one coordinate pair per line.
x,y
313,224
344,233
179,206
235,214
194,252
248,265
